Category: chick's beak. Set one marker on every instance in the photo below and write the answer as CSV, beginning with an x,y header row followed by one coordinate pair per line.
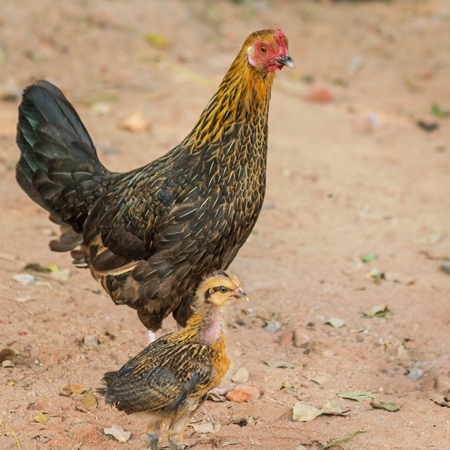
x,y
240,295
286,60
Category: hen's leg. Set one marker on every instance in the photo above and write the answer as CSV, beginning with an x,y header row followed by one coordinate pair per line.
x,y
151,336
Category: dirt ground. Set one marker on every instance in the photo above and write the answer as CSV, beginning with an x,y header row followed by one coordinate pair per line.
x,y
350,174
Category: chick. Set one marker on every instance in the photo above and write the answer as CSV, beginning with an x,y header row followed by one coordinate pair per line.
x,y
170,379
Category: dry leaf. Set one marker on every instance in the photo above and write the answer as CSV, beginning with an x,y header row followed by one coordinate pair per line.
x,y
117,432
289,388
333,409
42,438
279,364
215,397
7,354
388,406
359,396
42,418
89,400
304,413
378,311
25,298
335,322
68,389
440,399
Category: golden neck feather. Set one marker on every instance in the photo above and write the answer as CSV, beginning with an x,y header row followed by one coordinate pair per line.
x,y
243,97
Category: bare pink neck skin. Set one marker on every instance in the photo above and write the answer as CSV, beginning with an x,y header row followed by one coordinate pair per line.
x,y
213,326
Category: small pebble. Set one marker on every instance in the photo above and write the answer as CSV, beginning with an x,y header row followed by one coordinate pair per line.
x,y
241,376
445,266
286,338
301,339
203,428
411,345
25,279
243,394
90,341
273,327
415,374
443,384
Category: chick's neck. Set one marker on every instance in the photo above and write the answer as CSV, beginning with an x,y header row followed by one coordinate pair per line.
x,y
206,324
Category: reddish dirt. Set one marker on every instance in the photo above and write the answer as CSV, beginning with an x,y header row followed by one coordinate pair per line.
x,y
347,176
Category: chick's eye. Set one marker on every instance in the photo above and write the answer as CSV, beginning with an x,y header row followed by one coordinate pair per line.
x,y
223,289
263,49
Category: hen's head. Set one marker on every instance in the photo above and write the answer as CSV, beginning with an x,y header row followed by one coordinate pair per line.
x,y
267,50
221,287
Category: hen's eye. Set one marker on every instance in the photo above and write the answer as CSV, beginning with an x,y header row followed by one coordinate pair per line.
x,y
263,49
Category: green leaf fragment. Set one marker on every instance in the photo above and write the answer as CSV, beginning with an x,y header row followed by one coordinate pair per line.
x,y
369,257
345,439
440,111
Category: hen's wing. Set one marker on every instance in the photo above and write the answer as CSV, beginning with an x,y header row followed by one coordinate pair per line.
x,y
153,228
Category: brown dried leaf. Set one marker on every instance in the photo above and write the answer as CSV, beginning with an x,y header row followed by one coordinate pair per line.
x,y
68,389
304,413
333,409
118,432
7,354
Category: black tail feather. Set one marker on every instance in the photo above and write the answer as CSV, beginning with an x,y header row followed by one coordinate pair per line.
x,y
59,168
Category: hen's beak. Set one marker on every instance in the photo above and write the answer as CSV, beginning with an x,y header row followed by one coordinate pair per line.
x,y
239,294
287,61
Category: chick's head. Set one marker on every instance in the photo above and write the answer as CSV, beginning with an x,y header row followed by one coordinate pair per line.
x,y
221,287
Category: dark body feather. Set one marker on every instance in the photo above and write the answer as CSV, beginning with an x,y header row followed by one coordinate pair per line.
x,y
150,234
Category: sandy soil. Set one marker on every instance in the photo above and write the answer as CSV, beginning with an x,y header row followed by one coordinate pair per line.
x,y
347,177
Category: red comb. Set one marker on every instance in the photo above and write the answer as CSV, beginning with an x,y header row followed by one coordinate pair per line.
x,y
278,33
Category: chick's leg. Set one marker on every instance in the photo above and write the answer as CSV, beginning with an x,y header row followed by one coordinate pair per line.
x,y
176,428
152,434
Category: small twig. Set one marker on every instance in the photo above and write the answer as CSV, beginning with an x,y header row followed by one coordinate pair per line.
x,y
13,433
338,441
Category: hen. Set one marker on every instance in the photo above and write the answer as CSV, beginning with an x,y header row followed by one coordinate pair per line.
x,y
149,235
170,378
